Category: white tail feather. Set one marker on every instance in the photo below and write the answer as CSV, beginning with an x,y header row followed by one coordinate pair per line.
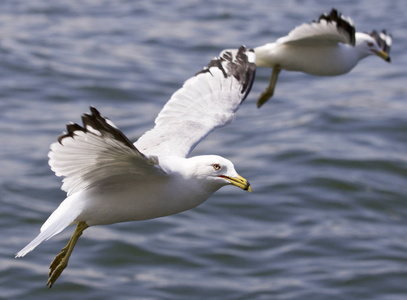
x,y
61,218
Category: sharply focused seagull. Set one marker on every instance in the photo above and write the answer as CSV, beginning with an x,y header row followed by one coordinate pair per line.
x,y
108,179
328,47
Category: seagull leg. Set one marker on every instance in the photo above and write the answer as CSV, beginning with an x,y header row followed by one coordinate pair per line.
x,y
268,93
60,262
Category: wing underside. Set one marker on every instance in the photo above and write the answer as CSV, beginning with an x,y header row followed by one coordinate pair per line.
x,y
206,101
97,152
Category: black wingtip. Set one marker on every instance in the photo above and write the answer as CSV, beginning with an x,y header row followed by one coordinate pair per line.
x,y
341,23
239,64
92,123
244,69
71,128
382,39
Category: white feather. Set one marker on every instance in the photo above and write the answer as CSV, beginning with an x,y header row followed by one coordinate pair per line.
x,y
57,222
109,180
205,102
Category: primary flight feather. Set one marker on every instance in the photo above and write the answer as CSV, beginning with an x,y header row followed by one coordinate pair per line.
x,y
108,179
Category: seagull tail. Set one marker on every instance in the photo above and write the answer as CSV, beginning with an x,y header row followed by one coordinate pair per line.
x,y
61,218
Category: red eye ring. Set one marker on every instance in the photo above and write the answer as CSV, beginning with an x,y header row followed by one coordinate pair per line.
x,y
216,166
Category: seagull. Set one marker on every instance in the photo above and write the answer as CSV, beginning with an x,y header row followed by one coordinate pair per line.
x,y
108,179
327,47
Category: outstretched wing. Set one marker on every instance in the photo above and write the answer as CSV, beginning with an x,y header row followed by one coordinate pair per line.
x,y
96,152
382,39
330,28
206,101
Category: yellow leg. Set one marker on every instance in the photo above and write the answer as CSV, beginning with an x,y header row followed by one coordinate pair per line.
x,y
268,93
61,260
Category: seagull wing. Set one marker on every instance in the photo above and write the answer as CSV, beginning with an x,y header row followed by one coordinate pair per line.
x,y
382,39
97,152
330,29
206,101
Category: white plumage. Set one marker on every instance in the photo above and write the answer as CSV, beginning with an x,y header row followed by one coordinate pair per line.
x,y
108,179
327,47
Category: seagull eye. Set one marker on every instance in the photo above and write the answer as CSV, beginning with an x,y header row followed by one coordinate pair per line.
x,y
370,44
216,166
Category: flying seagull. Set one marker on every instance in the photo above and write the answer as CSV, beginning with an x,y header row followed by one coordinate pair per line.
x,y
327,47
108,179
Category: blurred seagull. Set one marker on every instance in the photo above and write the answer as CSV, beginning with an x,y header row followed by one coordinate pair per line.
x,y
328,47
108,179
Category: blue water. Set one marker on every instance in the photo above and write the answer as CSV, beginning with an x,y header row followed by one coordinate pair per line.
x,y
327,218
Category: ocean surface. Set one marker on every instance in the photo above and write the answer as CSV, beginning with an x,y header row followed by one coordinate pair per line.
x,y
326,157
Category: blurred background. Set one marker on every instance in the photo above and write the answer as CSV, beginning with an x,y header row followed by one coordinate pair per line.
x,y
326,156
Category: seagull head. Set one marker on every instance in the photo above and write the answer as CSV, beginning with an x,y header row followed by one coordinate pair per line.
x,y
374,44
218,171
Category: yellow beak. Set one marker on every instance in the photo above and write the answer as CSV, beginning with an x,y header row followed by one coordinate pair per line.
x,y
383,54
239,181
